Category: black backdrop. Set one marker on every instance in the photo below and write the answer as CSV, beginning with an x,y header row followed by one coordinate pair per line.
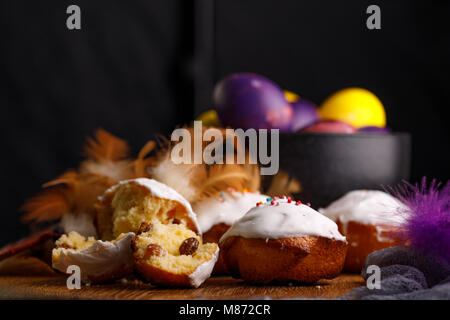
x,y
141,67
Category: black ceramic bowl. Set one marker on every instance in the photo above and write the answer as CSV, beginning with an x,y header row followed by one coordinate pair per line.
x,y
330,165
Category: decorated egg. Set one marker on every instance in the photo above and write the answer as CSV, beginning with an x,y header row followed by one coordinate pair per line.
x,y
248,100
305,114
209,118
291,96
327,126
356,106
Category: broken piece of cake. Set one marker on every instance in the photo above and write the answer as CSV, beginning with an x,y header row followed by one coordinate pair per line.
x,y
172,255
99,261
168,249
124,207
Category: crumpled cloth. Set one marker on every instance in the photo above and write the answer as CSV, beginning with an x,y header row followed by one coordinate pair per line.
x,y
405,275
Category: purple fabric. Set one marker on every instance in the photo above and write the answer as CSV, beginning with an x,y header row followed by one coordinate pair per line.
x,y
433,268
405,274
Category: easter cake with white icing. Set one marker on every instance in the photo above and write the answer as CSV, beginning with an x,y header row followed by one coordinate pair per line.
x,y
283,240
369,219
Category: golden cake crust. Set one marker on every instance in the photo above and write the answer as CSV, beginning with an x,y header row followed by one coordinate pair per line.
x,y
158,276
103,219
364,239
213,236
305,259
161,277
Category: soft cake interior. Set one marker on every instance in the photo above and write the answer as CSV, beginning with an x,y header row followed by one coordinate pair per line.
x,y
131,205
160,247
77,242
74,241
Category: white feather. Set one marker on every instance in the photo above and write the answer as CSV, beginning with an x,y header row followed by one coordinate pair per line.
x,y
178,176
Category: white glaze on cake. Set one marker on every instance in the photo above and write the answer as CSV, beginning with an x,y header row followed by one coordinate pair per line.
x,y
227,207
100,259
370,207
283,220
203,271
160,190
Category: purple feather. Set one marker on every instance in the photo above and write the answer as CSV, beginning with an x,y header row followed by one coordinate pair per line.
x,y
427,226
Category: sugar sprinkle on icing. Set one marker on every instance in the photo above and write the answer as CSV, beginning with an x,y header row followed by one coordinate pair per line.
x,y
282,220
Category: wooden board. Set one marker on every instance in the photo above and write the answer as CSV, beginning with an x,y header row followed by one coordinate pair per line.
x,y
42,282
54,287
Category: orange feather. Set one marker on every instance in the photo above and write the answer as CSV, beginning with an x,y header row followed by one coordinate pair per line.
x,y
76,191
106,146
283,184
48,205
223,176
142,163
69,177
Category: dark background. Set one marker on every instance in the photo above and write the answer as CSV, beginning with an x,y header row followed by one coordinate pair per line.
x,y
138,68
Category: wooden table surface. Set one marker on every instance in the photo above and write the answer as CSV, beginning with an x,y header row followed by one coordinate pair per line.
x,y
36,280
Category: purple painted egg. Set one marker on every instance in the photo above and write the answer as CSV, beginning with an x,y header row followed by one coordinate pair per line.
x,y
305,114
373,129
327,126
248,100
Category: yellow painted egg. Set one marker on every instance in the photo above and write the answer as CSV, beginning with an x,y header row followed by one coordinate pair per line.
x,y
209,118
356,106
291,96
